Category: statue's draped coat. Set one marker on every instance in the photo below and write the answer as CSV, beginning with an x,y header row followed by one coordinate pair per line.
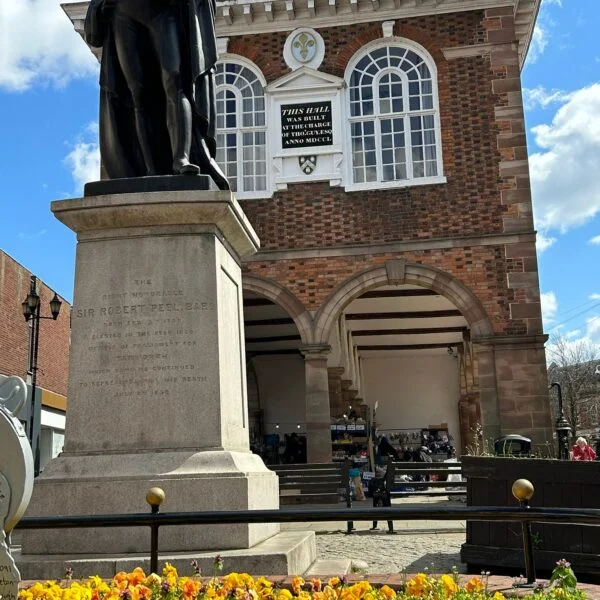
x,y
121,155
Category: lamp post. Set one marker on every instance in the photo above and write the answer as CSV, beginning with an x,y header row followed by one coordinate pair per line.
x,y
563,429
31,312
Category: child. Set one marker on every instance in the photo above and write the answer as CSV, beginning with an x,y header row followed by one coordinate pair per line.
x,y
354,474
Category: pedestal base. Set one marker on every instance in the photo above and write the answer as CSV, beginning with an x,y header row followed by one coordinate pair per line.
x,y
117,484
287,553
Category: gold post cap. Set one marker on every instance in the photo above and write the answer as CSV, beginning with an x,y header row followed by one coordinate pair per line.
x,y
155,496
522,489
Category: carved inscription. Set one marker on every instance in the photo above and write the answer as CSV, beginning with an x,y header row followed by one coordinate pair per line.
x,y
304,125
9,576
144,339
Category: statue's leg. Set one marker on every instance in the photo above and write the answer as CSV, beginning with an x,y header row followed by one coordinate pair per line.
x,y
127,34
179,109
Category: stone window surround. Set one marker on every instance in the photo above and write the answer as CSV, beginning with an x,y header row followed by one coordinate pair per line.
x,y
226,58
424,54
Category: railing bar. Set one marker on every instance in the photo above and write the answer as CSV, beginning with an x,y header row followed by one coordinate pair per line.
x,y
588,516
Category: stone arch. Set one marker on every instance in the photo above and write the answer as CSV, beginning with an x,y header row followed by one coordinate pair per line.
x,y
281,296
398,271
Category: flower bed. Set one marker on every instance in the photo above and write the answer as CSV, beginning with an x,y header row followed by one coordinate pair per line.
x,y
241,586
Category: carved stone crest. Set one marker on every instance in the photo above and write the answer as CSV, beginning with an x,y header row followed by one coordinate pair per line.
x,y
307,163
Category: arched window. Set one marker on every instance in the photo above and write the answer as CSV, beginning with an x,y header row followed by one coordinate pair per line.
x,y
394,120
241,129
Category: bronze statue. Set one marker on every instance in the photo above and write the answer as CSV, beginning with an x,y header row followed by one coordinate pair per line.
x,y
157,98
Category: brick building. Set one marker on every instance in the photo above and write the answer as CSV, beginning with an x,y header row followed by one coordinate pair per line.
x,y
53,353
378,148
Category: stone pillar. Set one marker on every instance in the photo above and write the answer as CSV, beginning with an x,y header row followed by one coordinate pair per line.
x,y
346,400
318,414
517,365
485,377
157,390
336,405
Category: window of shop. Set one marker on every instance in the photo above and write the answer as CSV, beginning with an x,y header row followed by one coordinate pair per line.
x,y
394,118
241,129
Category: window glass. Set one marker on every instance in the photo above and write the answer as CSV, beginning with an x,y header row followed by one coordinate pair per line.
x,y
392,119
241,128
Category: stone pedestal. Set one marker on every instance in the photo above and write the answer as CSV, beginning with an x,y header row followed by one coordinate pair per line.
x,y
157,387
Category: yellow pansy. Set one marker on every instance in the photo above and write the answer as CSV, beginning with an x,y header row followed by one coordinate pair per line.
x,y
387,592
474,585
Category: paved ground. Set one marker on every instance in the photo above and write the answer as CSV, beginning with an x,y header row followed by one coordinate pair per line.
x,y
432,545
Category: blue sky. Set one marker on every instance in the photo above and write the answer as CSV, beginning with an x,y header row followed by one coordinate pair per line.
x,y
48,132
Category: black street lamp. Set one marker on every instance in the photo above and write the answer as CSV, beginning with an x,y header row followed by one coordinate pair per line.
x,y
563,429
31,312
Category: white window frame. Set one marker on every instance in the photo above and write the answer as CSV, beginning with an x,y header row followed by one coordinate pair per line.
x,y
376,117
240,129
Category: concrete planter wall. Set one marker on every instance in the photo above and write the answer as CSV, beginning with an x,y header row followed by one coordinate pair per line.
x,y
557,484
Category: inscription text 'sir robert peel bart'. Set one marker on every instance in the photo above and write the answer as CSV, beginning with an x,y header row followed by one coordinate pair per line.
x,y
145,339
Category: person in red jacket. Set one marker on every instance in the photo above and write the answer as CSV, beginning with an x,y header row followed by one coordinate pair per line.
x,y
581,450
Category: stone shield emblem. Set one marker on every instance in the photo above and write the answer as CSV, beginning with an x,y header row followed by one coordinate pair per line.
x,y
307,163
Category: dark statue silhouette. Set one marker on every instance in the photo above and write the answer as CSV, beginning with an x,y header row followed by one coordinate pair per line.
x,y
157,87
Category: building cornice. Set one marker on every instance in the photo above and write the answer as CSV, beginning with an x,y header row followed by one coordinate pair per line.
x,y
495,239
242,17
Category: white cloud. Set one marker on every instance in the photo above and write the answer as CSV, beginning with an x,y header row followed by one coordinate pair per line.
x,y
556,2
539,96
594,296
539,41
31,236
549,306
543,242
84,158
595,240
565,175
593,327
39,45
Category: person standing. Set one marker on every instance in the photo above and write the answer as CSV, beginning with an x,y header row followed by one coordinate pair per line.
x,y
354,474
582,451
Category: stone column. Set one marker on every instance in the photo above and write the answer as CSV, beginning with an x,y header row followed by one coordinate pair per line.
x,y
336,405
346,392
318,414
485,369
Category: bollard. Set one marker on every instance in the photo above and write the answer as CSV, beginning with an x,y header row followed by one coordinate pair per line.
x,y
154,497
522,490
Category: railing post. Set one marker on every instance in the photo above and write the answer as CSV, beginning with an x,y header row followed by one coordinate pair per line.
x,y
154,497
522,490
346,482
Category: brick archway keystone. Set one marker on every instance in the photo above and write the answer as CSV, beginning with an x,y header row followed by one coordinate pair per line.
x,y
396,272
278,294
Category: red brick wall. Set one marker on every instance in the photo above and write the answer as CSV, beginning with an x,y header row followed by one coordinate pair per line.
x,y
53,355
482,269
468,204
485,162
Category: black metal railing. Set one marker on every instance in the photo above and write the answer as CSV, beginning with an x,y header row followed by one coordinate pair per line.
x,y
524,514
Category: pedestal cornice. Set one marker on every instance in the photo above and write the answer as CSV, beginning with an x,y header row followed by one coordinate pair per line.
x,y
160,209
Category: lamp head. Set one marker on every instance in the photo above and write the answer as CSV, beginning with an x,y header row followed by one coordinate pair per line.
x,y
55,305
26,310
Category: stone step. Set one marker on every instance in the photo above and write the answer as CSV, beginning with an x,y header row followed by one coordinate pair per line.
x,y
310,486
329,567
289,497
289,478
304,467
